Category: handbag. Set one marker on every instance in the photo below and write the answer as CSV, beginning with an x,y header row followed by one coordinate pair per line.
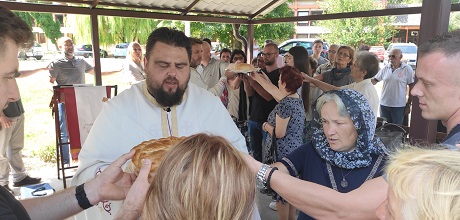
x,y
272,156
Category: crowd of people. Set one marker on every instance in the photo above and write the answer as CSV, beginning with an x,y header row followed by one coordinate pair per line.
x,y
314,118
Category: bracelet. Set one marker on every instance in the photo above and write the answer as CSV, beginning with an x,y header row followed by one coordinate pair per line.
x,y
80,195
260,177
270,176
263,127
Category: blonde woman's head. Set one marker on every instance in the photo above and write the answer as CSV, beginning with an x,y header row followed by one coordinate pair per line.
x,y
423,184
203,177
134,51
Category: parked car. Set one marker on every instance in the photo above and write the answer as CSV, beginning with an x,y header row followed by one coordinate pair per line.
x,y
304,42
409,52
35,51
86,50
379,51
121,50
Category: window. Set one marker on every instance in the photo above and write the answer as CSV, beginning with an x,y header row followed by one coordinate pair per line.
x,y
313,23
303,23
60,18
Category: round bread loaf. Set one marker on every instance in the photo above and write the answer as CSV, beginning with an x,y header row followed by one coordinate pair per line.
x,y
243,67
154,150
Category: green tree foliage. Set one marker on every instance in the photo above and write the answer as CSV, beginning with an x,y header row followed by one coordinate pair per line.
x,y
454,21
45,21
25,16
113,30
355,31
224,32
51,28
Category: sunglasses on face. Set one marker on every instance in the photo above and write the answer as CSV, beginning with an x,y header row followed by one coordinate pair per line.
x,y
392,56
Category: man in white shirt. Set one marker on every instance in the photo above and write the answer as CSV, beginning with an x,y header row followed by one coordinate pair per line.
x,y
396,77
195,77
211,70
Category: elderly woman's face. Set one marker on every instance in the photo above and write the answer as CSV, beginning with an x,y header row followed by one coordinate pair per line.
x,y
389,209
340,131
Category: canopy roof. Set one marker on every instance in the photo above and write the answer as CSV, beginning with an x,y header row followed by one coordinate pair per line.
x,y
221,11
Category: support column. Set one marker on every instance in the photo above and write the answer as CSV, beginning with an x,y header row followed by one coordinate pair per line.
x,y
434,21
96,50
250,49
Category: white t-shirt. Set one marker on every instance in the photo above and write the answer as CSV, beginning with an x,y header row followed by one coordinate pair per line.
x,y
367,89
395,84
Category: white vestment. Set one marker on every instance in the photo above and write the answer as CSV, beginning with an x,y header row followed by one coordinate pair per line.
x,y
134,116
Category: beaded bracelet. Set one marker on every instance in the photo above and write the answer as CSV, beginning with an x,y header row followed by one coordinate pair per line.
x,y
270,176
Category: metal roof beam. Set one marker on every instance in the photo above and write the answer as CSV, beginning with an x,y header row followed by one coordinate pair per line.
x,y
94,4
187,10
358,14
118,12
263,9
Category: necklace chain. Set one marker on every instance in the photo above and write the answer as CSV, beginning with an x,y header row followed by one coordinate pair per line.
x,y
344,182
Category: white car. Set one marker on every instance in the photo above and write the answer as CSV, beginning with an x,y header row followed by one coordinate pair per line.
x,y
121,50
304,42
35,51
409,52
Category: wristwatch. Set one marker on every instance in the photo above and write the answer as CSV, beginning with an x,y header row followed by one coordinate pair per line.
x,y
261,183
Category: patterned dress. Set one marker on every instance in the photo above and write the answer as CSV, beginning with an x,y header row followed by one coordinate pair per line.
x,y
293,108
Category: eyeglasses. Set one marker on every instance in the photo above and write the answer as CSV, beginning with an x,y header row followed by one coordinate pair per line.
x,y
392,56
332,51
267,54
342,54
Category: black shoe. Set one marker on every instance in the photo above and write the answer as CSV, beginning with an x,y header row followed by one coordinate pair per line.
x,y
27,181
8,188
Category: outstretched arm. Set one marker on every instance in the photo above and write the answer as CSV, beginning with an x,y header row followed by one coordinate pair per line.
x,y
112,184
266,87
322,202
320,84
26,73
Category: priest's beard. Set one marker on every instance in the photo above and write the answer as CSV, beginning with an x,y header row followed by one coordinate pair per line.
x,y
167,98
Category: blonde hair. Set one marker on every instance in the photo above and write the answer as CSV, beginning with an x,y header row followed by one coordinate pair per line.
x,y
131,51
203,177
426,182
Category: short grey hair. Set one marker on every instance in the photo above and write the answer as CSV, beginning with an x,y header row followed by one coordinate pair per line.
x,y
331,97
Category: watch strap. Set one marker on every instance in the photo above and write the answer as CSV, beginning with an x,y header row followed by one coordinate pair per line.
x,y
80,195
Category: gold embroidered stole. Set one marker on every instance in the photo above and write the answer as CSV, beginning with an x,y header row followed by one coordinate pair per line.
x,y
165,126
